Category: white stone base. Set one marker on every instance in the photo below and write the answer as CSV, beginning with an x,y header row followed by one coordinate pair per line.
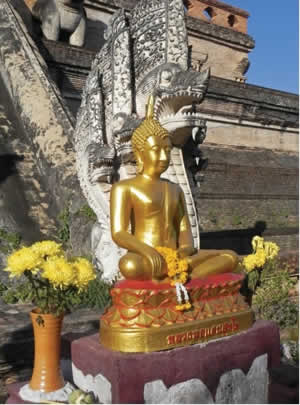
x,y
98,385
61,395
234,388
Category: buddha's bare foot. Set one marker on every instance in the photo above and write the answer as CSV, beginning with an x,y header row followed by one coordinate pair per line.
x,y
197,275
165,280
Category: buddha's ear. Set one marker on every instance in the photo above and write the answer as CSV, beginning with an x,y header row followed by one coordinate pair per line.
x,y
139,163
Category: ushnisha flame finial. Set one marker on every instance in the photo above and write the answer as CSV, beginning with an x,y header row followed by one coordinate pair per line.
x,y
147,128
150,107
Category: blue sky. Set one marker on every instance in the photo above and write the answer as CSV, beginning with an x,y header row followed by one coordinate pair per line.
x,y
274,26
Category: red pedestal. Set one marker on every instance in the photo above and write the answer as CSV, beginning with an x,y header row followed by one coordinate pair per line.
x,y
13,392
128,373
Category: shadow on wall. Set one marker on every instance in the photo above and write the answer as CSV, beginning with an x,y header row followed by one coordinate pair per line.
x,y
8,165
238,240
95,31
94,35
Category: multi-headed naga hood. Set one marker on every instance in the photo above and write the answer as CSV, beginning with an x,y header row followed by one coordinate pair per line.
x,y
146,52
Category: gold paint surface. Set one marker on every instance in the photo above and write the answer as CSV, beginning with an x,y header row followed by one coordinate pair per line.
x,y
147,212
177,335
142,327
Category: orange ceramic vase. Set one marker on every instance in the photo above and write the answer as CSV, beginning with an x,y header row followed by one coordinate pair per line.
x,y
46,375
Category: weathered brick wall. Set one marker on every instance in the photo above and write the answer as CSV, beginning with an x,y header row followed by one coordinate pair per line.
x,y
226,179
242,213
241,188
239,240
287,242
217,12
218,45
224,61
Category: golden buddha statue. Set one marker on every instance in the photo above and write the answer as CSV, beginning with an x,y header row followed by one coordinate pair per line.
x,y
156,211
149,214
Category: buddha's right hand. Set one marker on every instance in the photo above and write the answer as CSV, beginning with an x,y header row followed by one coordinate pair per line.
x,y
156,263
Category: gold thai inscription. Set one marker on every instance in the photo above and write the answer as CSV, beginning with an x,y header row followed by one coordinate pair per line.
x,y
203,333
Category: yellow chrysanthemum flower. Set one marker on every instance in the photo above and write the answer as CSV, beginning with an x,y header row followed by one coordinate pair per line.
x,y
84,272
59,272
177,271
182,307
174,263
21,260
257,243
47,248
167,252
181,278
172,254
271,250
171,272
249,262
183,265
260,257
171,261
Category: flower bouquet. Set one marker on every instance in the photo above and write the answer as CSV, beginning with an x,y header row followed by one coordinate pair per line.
x,y
54,285
54,282
262,257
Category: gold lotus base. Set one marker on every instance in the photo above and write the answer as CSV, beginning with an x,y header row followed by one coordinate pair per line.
x,y
143,315
168,337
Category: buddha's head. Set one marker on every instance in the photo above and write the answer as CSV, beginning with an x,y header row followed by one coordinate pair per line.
x,y
151,144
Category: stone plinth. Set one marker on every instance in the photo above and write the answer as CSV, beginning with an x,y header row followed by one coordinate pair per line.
x,y
234,368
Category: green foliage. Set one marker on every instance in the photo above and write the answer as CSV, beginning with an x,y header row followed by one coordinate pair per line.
x,y
64,230
9,241
272,300
284,312
294,348
3,288
253,279
97,295
12,294
81,397
294,332
87,212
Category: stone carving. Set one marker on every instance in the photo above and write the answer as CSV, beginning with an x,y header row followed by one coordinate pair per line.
x,y
199,60
98,385
193,391
241,69
146,52
56,15
234,388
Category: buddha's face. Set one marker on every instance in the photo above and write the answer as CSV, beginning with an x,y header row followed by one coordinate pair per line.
x,y
156,155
